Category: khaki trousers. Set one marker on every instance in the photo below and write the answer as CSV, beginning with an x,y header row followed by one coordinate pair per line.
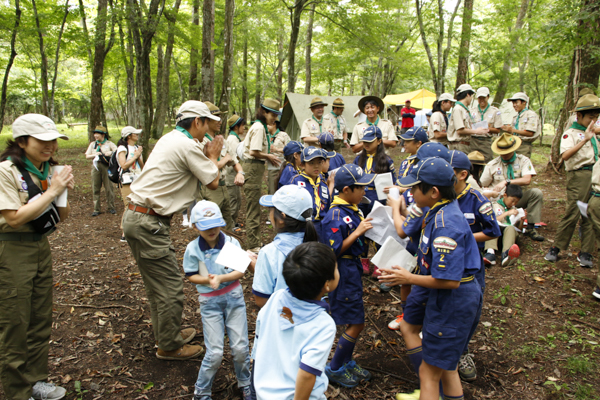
x,y
579,184
509,237
272,182
482,145
150,242
525,149
235,201
220,196
337,145
99,179
125,191
532,201
252,191
593,213
25,315
459,146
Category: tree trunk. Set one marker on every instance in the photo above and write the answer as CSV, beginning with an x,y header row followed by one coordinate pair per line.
x,y
280,69
193,86
295,17
180,80
56,58
309,33
245,111
43,63
207,91
465,42
224,100
85,32
11,59
127,57
258,82
98,69
514,40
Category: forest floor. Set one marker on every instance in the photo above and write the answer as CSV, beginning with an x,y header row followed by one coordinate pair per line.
x,y
538,337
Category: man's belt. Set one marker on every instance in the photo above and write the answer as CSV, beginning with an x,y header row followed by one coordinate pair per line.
x,y
145,210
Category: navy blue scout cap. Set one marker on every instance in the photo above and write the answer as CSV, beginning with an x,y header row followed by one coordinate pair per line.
x,y
417,134
433,171
325,138
351,174
433,149
459,160
310,153
371,133
292,147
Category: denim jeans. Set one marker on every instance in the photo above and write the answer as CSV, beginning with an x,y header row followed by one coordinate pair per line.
x,y
227,311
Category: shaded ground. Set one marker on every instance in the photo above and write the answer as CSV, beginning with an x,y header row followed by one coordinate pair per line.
x,y
538,338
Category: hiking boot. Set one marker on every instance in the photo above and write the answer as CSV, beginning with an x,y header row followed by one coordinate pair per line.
x,y
187,335
489,259
186,352
466,368
509,256
247,393
358,371
96,213
596,293
534,235
409,396
552,255
47,391
342,376
395,324
585,259
113,211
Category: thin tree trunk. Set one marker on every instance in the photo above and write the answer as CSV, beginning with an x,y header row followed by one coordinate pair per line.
x,y
193,86
280,69
127,58
207,91
56,58
224,100
309,33
295,17
180,80
85,32
96,108
43,62
245,81
258,82
11,59
465,42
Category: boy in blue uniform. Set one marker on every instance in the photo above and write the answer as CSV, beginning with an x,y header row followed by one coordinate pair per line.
x,y
327,142
413,139
343,228
294,332
449,252
289,169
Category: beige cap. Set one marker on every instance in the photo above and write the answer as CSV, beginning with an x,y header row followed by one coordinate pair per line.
x,y
233,120
465,87
128,130
584,91
445,97
519,96
482,92
214,110
476,158
271,105
38,126
194,109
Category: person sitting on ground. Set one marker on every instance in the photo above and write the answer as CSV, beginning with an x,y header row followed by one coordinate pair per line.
x,y
504,208
100,150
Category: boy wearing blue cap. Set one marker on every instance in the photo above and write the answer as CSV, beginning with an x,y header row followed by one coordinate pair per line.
x,y
291,166
414,138
448,251
327,142
221,300
343,229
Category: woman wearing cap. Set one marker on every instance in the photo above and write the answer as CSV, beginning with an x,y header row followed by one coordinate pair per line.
x,y
313,126
460,125
279,139
526,124
25,257
335,123
100,150
371,106
131,161
257,151
237,129
438,123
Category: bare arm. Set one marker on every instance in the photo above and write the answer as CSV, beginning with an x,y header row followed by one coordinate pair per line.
x,y
260,301
305,382
390,143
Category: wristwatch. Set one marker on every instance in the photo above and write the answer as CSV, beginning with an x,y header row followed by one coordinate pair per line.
x,y
507,182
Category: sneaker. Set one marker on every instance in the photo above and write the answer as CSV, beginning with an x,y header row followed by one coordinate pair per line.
x,y
395,324
509,256
47,391
466,368
385,288
201,397
123,238
409,396
358,371
552,254
585,259
188,334
365,266
534,235
247,393
342,376
96,213
113,211
237,228
596,293
184,353
489,259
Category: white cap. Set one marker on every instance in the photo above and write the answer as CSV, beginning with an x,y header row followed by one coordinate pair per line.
x,y
38,126
446,96
483,92
465,87
194,108
128,130
519,96
207,215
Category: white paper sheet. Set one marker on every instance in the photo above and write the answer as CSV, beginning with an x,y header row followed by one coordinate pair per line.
x,y
233,257
481,124
95,162
392,254
381,182
514,219
383,225
582,208
61,199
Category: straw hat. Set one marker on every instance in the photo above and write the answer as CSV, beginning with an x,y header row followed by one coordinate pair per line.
x,y
271,105
587,102
506,144
214,110
338,103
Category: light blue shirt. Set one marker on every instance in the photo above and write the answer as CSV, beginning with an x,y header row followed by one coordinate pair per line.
x,y
268,275
291,334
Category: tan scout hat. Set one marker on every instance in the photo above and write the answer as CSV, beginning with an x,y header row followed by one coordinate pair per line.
x,y
361,103
317,101
271,105
194,109
233,121
482,92
588,102
465,87
128,130
476,158
38,126
214,110
446,97
584,91
506,144
519,96
338,103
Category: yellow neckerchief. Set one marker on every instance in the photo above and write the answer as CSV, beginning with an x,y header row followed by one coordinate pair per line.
x,y
410,162
436,205
291,165
465,190
369,166
315,185
337,201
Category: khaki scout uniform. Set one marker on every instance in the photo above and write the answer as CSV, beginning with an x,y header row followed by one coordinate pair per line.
x,y
168,184
527,120
311,127
460,119
25,293
337,125
579,181
100,175
483,143
257,139
437,123
495,172
593,210
235,192
387,130
279,140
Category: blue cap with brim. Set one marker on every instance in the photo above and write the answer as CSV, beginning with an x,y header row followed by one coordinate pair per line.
x,y
207,215
326,137
292,148
310,153
433,171
351,174
292,200
433,149
371,133
417,134
330,154
459,160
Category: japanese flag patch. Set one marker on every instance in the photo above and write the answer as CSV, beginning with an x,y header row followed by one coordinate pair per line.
x,y
301,184
444,244
347,220
486,208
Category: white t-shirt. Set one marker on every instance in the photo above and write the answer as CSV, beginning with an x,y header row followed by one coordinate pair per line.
x,y
130,151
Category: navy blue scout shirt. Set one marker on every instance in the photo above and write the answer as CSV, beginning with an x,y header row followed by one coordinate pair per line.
x,y
406,167
413,225
370,191
286,175
336,161
318,191
478,212
339,223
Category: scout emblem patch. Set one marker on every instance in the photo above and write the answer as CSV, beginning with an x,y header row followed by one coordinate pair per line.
x,y
23,183
415,212
444,244
486,208
287,314
565,136
208,214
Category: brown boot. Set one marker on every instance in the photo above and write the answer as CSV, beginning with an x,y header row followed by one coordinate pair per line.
x,y
186,352
188,334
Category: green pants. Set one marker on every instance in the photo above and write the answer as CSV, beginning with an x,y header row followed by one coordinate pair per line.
x,y
337,145
25,315
459,146
220,197
593,213
252,191
509,237
482,145
579,184
525,149
235,201
272,181
150,242
532,201
99,179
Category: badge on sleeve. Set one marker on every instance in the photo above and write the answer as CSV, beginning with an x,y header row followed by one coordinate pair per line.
x,y
415,212
444,244
301,184
486,208
565,136
347,220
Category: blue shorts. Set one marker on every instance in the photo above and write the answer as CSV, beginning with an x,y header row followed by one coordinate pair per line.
x,y
414,310
346,301
451,317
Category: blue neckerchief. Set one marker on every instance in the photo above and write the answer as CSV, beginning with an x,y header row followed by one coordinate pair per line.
x,y
185,132
294,312
288,241
205,247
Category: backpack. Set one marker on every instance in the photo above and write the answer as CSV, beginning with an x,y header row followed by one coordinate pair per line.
x,y
114,169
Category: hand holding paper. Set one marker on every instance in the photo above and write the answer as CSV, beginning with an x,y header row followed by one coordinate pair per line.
x,y
233,257
383,181
391,254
